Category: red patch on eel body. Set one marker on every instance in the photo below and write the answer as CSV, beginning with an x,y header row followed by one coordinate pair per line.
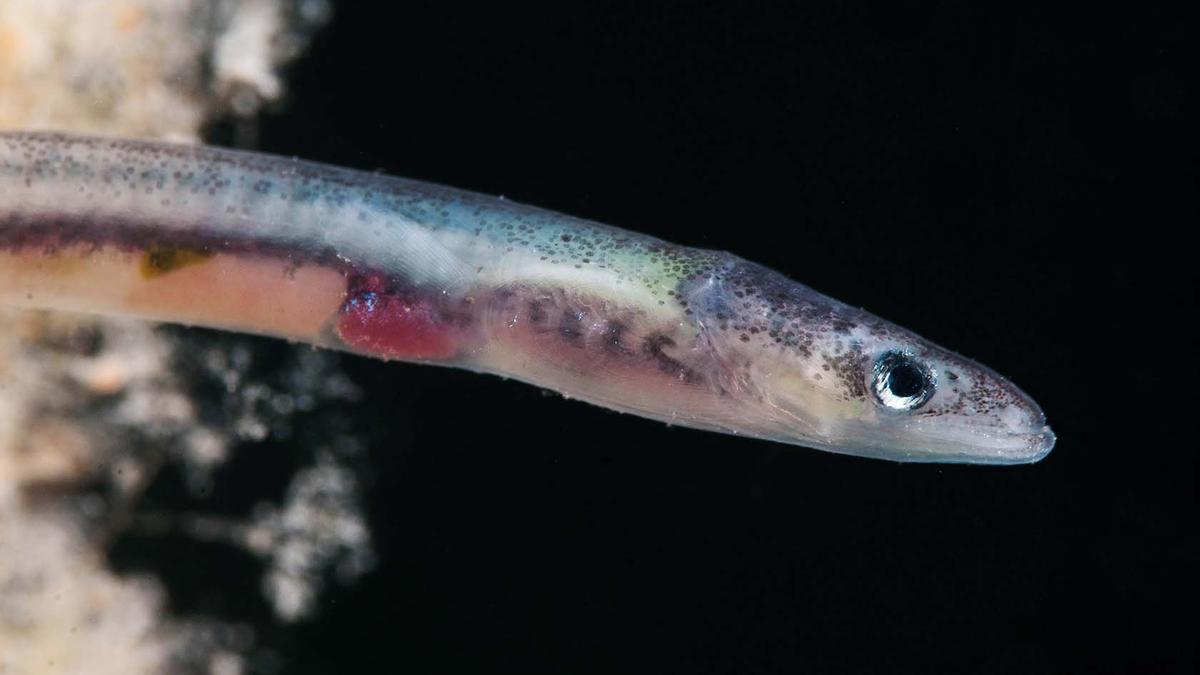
x,y
392,325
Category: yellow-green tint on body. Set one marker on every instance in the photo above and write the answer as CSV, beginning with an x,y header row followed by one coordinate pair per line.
x,y
161,260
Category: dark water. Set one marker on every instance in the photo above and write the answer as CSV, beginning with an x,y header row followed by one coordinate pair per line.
x,y
1003,183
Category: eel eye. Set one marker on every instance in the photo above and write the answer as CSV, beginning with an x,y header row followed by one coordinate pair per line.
x,y
901,382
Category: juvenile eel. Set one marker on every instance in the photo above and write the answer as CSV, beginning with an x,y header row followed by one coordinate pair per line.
x,y
405,270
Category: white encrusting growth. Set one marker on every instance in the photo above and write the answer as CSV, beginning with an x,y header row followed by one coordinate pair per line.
x,y
136,68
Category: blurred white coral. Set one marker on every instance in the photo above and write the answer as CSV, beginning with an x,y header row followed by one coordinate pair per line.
x,y
319,524
154,68
62,612
137,67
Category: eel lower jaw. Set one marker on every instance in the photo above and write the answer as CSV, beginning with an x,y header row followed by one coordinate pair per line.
x,y
951,445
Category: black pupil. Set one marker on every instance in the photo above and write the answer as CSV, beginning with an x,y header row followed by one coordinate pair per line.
x,y
906,380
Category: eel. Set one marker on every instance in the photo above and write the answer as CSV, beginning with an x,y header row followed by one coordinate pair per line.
x,y
405,270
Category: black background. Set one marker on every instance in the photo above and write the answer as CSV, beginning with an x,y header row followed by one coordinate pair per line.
x,y
1004,183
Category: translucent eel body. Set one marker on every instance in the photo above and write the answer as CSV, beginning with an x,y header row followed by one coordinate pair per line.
x,y
399,269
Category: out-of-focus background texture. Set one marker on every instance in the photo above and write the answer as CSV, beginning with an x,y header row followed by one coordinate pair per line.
x,y
93,411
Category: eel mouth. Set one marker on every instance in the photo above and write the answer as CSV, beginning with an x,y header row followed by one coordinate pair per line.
x,y
957,444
